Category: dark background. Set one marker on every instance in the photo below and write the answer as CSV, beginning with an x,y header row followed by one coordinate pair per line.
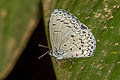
x,y
29,67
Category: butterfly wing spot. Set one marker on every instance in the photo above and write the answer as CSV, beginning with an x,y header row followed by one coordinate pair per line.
x,y
65,45
72,56
65,14
54,24
80,48
82,52
69,17
60,12
72,36
62,21
57,31
69,26
90,51
73,39
92,42
71,49
90,37
83,27
73,21
83,32
76,54
91,47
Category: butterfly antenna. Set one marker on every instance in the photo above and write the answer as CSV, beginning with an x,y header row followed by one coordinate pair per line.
x,y
43,55
42,46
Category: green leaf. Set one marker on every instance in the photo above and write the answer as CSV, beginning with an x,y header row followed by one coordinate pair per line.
x,y
103,18
18,18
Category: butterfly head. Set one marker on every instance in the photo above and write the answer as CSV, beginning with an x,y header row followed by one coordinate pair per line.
x,y
57,54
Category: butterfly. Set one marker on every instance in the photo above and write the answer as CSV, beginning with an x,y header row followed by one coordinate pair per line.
x,y
69,37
